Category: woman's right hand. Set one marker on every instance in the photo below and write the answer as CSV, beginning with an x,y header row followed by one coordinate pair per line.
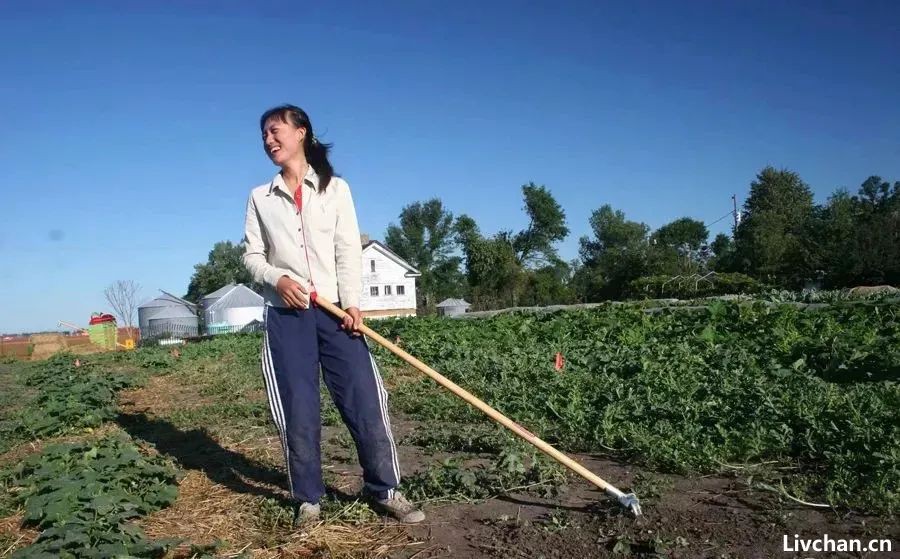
x,y
292,293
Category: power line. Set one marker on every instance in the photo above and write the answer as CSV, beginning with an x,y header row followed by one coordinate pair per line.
x,y
721,218
733,212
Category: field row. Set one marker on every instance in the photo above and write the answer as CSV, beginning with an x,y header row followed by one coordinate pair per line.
x,y
813,394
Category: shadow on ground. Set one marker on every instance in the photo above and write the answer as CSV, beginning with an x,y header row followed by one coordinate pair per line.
x,y
195,449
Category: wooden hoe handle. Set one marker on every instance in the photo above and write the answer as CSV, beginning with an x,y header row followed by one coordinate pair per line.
x,y
628,500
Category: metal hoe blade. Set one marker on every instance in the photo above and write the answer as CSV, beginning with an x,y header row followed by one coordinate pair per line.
x,y
630,502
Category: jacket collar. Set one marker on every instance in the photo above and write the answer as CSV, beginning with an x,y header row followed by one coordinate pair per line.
x,y
311,179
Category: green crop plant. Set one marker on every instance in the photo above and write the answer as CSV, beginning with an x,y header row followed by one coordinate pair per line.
x,y
66,398
685,390
515,468
83,495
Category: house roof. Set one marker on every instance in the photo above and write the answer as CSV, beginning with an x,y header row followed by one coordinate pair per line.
x,y
410,271
454,303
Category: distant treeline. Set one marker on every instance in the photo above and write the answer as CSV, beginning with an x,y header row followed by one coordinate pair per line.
x,y
783,240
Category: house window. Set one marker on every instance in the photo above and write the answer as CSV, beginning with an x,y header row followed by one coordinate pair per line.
x,y
373,291
401,290
372,266
387,289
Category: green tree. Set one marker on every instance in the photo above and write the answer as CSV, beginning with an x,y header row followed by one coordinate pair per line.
x,y
675,248
501,270
837,237
615,255
425,239
548,285
497,273
492,270
223,266
547,225
773,240
682,232
878,232
723,253
465,232
876,194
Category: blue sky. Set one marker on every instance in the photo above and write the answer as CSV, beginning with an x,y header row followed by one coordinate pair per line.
x,y
129,140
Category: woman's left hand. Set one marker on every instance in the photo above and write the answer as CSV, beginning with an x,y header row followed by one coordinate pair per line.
x,y
352,321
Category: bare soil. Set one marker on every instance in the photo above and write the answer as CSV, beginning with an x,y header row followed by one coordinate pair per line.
x,y
228,482
689,517
160,395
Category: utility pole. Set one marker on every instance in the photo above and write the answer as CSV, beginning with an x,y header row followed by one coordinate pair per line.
x,y
735,211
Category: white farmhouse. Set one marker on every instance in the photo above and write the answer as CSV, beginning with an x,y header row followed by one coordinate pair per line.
x,y
389,282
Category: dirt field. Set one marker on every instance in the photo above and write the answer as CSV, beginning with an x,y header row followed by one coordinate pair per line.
x,y
25,348
683,517
204,408
18,348
714,516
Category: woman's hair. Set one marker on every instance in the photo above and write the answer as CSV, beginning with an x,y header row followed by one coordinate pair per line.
x,y
316,151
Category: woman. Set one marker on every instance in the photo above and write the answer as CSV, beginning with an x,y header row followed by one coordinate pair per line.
x,y
301,237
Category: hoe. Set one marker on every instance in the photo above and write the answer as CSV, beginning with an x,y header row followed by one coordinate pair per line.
x,y
627,500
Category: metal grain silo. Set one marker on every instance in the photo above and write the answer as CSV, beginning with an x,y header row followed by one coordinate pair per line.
x,y
234,311
453,307
210,299
168,315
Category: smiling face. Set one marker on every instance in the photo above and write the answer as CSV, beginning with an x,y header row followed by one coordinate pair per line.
x,y
282,140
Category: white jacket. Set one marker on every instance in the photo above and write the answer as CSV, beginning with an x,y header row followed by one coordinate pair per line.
x,y
319,247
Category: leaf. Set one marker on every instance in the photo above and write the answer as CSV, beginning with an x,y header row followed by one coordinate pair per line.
x,y
782,372
103,504
75,539
622,547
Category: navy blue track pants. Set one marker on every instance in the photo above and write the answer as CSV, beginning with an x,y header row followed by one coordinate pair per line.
x,y
296,342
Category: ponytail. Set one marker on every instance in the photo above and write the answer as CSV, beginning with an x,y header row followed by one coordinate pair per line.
x,y
316,152
317,156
